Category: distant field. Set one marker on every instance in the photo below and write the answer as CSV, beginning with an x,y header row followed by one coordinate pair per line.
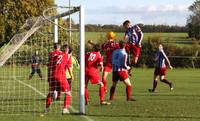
x,y
174,38
19,102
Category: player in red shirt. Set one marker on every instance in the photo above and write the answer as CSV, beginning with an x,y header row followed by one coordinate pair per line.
x,y
92,60
108,47
133,37
53,53
58,82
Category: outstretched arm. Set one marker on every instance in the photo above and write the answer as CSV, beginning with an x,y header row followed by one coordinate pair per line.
x,y
167,59
140,35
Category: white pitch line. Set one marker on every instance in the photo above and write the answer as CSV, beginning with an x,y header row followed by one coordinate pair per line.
x,y
71,107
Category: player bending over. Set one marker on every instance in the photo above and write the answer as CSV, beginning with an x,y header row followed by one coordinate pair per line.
x,y
120,71
161,69
92,60
58,80
133,37
108,47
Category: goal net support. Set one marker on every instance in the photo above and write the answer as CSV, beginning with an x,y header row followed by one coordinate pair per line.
x,y
18,92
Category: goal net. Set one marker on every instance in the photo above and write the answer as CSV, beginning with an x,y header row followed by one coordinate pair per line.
x,y
23,91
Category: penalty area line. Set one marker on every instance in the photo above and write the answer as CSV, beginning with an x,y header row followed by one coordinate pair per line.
x,y
43,95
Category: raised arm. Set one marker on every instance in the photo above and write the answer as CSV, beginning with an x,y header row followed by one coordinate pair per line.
x,y
167,59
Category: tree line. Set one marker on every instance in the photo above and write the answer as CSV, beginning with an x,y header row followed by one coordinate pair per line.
x,y
145,28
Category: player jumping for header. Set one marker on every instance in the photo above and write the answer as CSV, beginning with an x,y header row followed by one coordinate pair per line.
x,y
133,37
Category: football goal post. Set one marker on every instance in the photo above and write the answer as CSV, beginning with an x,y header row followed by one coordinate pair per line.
x,y
23,88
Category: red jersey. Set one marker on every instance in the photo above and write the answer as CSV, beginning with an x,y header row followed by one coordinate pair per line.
x,y
108,48
51,57
93,59
60,62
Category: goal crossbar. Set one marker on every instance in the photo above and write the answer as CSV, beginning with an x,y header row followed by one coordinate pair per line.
x,y
18,39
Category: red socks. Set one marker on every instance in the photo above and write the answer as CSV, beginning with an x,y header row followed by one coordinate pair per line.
x,y
101,93
48,100
67,100
128,92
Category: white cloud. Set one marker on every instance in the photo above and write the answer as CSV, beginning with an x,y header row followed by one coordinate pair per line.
x,y
146,8
147,14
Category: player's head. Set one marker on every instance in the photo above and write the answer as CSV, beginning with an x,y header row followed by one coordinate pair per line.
x,y
65,48
97,48
160,47
56,46
121,44
127,24
111,35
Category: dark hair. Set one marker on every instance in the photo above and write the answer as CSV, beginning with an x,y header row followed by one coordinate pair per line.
x,y
64,47
97,47
70,50
56,46
121,44
126,22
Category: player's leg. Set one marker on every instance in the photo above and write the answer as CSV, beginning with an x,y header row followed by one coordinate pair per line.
x,y
65,87
39,73
86,90
50,95
32,73
105,74
164,80
112,90
155,82
101,93
155,79
135,54
128,90
134,60
67,102
115,79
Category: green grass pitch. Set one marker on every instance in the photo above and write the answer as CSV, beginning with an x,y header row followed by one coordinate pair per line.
x,y
181,104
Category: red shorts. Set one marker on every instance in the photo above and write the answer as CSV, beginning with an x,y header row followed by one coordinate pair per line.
x,y
93,76
107,69
134,50
160,71
120,75
59,85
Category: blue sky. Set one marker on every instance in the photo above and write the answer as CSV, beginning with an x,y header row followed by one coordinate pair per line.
x,y
172,12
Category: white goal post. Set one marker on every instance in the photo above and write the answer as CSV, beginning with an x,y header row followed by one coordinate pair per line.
x,y
32,26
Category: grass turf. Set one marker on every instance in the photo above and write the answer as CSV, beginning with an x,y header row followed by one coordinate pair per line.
x,y
23,103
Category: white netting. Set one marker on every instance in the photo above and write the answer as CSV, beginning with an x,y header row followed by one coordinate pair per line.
x,y
19,93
